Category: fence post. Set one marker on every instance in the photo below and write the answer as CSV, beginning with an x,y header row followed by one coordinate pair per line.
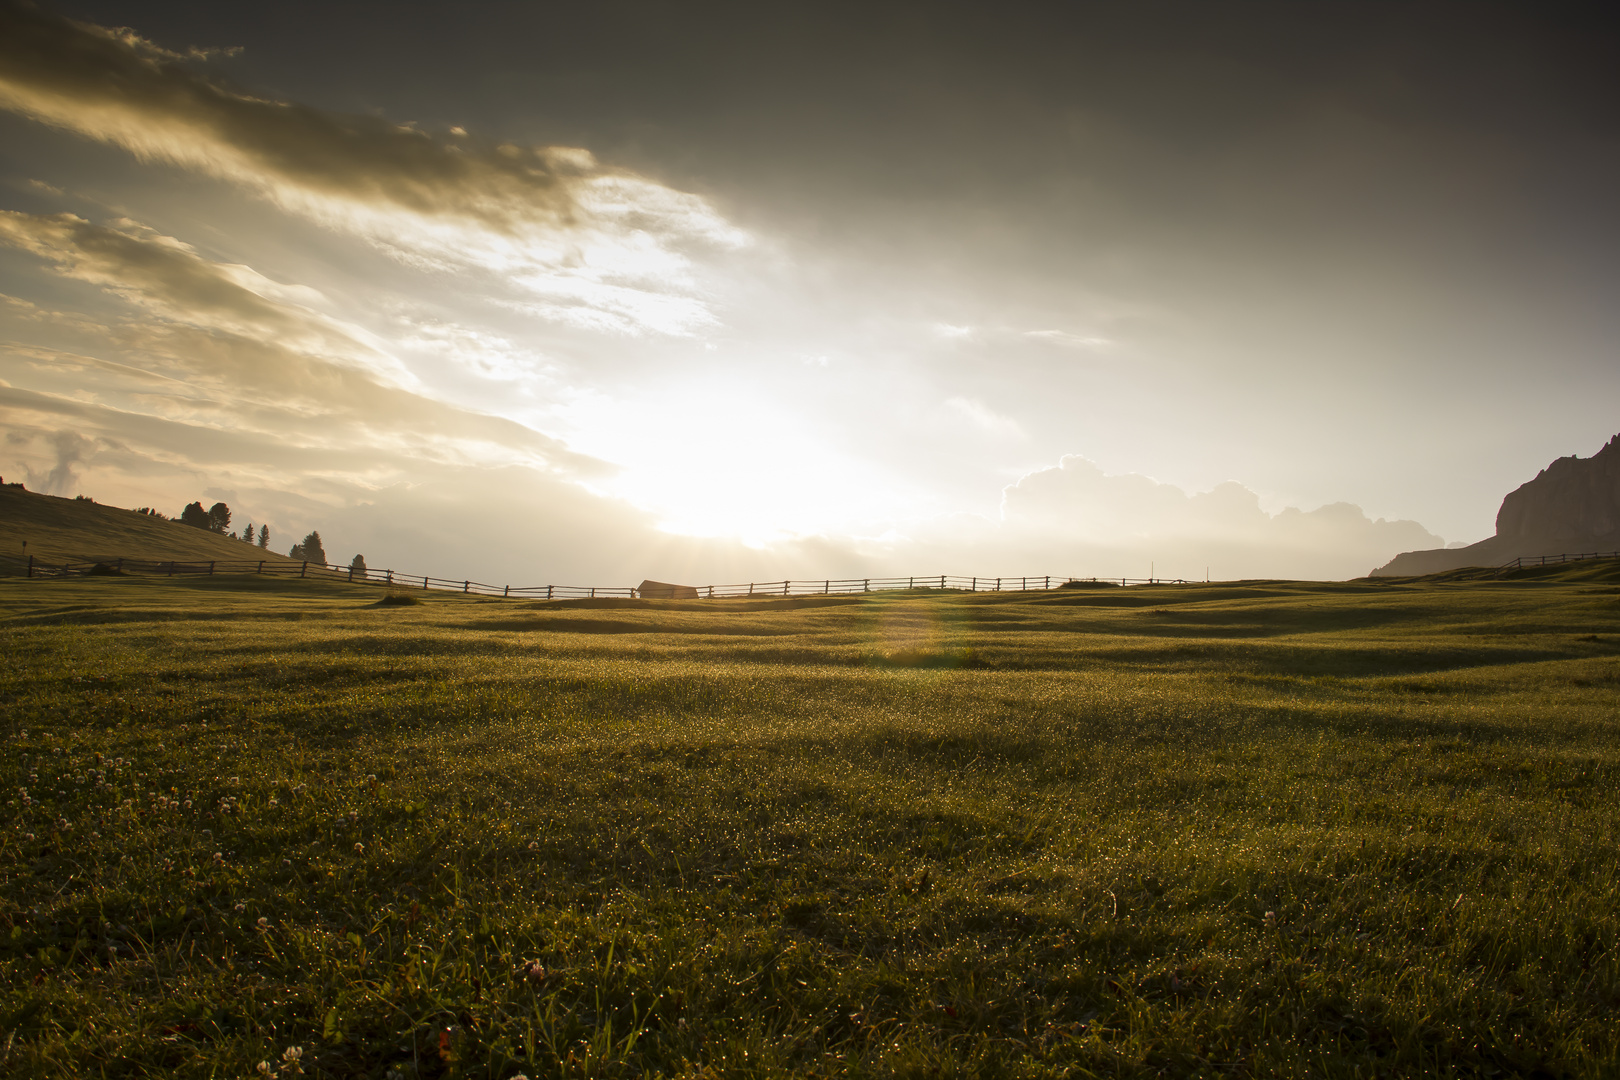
x,y
942,583
211,569
998,584
465,585
260,570
911,583
1048,581
975,585
750,588
30,566
785,588
390,574
171,568
351,573
866,585
507,591
120,566
711,592
302,570
424,583
826,587
548,592
593,592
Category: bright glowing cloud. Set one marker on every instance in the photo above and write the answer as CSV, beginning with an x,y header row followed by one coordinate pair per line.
x,y
202,349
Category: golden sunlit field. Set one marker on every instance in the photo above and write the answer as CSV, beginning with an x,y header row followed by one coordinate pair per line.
x,y
1259,829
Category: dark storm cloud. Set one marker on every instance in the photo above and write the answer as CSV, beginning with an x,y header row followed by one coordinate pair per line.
x,y
114,85
587,244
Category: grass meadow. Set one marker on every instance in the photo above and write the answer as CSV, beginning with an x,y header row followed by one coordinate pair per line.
x,y
278,828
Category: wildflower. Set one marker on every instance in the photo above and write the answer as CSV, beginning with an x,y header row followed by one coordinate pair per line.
x,y
264,1069
292,1056
219,858
1271,918
354,816
263,924
273,802
28,836
534,845
63,825
239,907
359,849
371,778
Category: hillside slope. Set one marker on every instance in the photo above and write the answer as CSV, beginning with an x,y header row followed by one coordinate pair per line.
x,y
1573,505
68,530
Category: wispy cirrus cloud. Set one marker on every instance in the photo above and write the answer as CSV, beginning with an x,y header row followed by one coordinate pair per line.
x,y
577,242
214,345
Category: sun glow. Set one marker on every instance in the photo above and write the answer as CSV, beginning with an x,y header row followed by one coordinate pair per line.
x,y
714,461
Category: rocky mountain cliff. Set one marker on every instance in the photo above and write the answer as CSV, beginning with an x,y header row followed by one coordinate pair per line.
x,y
1573,505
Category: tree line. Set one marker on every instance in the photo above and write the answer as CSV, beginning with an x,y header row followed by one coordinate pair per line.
x,y
217,519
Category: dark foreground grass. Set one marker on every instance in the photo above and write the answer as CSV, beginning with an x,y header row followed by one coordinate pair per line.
x,y
1257,830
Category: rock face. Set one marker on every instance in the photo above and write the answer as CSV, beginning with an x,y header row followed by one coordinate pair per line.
x,y
1573,505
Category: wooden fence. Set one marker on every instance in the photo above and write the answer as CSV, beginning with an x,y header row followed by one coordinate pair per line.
x,y
1552,560
752,589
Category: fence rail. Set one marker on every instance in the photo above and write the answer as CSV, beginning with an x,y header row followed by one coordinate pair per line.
x,y
426,582
1552,560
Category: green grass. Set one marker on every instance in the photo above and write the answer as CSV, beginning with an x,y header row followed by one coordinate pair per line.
x,y
58,531
1263,829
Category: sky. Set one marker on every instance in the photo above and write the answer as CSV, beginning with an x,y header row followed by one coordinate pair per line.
x,y
547,293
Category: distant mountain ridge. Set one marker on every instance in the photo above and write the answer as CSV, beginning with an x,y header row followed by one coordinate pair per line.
x,y
1572,505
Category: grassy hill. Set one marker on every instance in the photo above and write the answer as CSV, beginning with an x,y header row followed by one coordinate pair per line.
x,y
1264,829
72,530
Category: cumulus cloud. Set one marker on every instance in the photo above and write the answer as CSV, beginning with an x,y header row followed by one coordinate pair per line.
x,y
583,243
1118,521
